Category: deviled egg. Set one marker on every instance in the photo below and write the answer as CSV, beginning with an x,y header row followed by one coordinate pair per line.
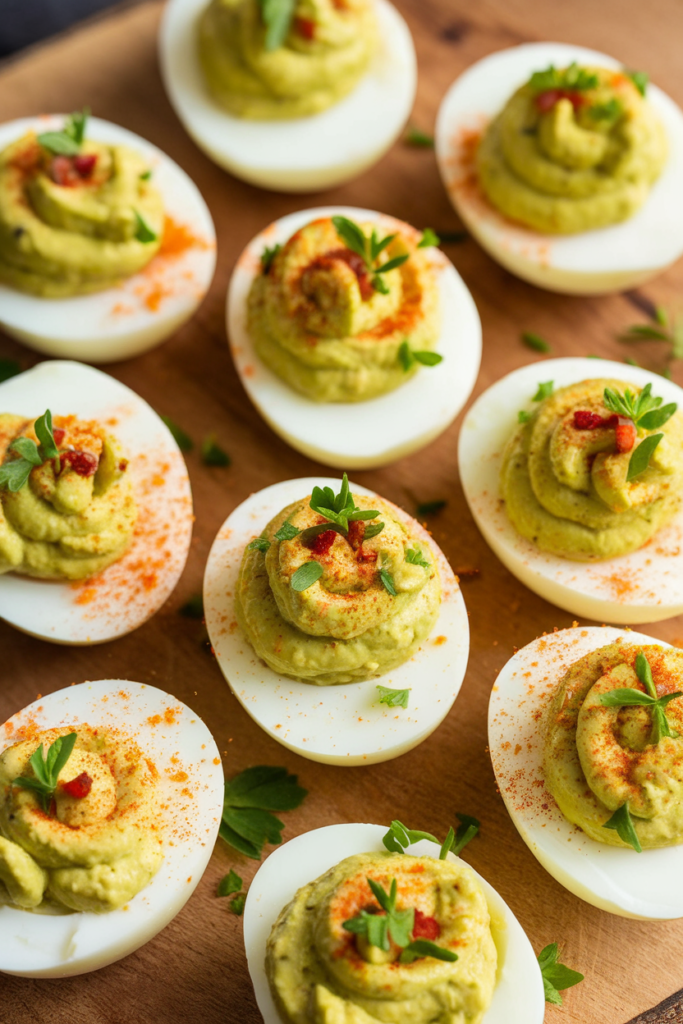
x,y
566,495
90,552
362,598
504,981
106,245
549,732
331,361
282,110
70,860
565,166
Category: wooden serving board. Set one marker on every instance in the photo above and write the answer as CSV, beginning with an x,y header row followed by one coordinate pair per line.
x,y
195,970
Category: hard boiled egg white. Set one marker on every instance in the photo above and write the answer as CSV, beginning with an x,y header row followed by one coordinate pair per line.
x,y
340,724
360,435
518,997
303,154
592,262
127,593
190,797
645,586
641,885
144,309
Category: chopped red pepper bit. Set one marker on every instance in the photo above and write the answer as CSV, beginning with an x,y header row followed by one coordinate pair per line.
x,y
58,435
83,463
626,434
426,927
78,787
545,101
63,171
356,533
305,27
624,428
585,420
85,164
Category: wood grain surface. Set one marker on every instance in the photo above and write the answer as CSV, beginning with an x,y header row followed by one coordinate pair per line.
x,y
195,970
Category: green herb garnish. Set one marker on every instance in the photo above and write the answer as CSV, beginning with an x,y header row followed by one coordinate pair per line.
x,y
628,697
183,440
387,579
408,357
622,823
429,237
640,459
467,829
556,976
230,884
68,142
545,390
267,257
213,454
640,79
369,249
143,231
247,824
372,530
423,947
535,341
665,328
306,575
420,139
259,544
523,416
146,175
415,557
15,472
399,838
646,411
276,16
610,111
237,904
193,607
430,508
571,78
339,508
453,237
287,532
393,698
47,768
8,368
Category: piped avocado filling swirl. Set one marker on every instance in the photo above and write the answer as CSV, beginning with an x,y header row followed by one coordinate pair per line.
x,y
572,150
613,756
76,215
328,592
584,480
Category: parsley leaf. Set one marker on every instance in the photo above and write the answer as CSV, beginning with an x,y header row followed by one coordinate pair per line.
x,y
387,580
535,342
418,138
415,557
396,925
306,575
640,459
339,508
640,79
183,440
287,532
408,357
47,768
267,257
523,416
230,884
610,111
429,237
556,976
213,454
237,904
247,824
545,390
143,232
393,698
69,140
572,78
622,823
259,544
14,473
277,18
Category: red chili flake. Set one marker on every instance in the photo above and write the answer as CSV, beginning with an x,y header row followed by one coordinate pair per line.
x,y
123,465
305,27
78,787
545,101
58,435
322,542
85,164
366,555
625,434
426,927
83,463
63,171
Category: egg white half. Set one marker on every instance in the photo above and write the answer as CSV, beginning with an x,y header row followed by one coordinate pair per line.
x,y
645,586
340,724
518,997
303,154
360,435
58,946
593,262
130,591
643,885
143,310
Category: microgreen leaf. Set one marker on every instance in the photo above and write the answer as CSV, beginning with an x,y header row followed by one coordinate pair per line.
x,y
306,575
405,356
392,264
427,358
399,838
47,768
28,449
230,884
415,557
249,798
656,418
640,459
143,231
146,175
59,143
351,235
535,342
8,368
545,390
466,831
259,544
267,257
340,508
430,508
523,416
213,454
572,78
429,237
287,532
556,977
372,530
396,925
193,607
15,472
183,440
277,18
418,138
387,581
640,79
423,947
369,250
43,428
622,823
447,844
393,698
610,111
237,904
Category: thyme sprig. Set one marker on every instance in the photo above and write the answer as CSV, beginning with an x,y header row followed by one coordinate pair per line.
x,y
369,249
628,697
